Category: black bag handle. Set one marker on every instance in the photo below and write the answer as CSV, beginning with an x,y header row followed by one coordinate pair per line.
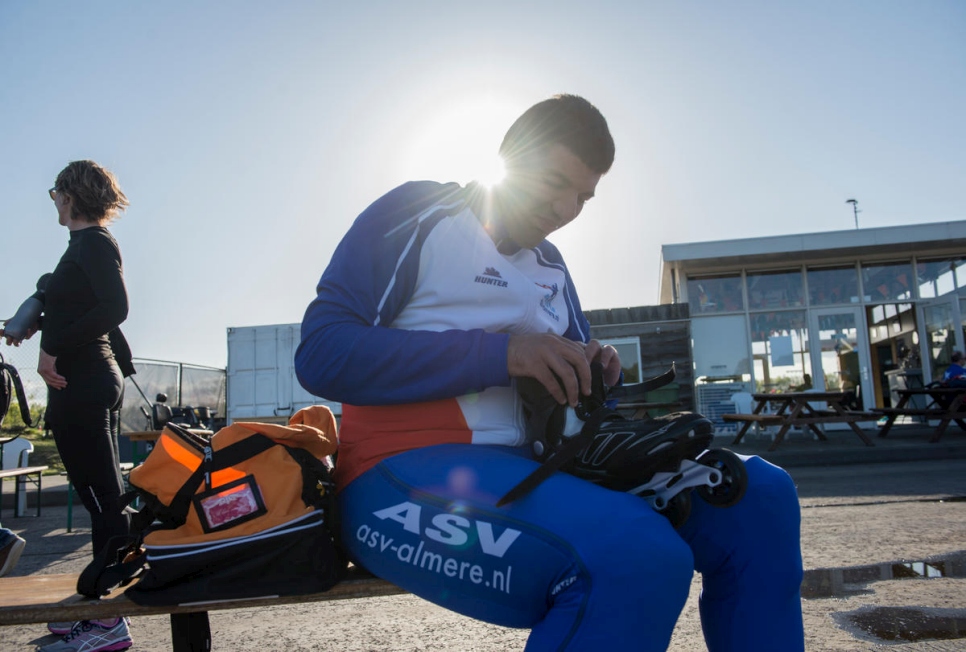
x,y
111,566
18,388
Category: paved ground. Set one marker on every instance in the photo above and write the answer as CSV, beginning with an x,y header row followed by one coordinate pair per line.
x,y
876,523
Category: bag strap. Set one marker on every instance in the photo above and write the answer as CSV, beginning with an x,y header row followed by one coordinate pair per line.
x,y
317,482
120,560
21,396
177,513
318,490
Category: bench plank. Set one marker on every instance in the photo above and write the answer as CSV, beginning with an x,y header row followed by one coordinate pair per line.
x,y
23,475
23,470
803,419
911,412
834,418
49,598
772,419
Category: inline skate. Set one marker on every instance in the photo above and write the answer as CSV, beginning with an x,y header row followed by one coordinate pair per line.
x,y
660,459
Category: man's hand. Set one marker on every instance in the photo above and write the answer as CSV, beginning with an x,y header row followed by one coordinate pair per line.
x,y
561,365
558,363
47,368
610,360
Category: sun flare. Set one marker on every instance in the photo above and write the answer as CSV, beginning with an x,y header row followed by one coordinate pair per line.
x,y
460,142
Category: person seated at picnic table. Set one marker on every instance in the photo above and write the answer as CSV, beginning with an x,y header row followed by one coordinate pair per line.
x,y
955,374
806,384
953,377
436,301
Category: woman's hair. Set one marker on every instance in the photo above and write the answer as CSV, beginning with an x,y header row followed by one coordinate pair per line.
x,y
567,120
94,191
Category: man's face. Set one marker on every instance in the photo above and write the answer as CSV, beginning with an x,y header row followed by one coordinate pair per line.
x,y
544,191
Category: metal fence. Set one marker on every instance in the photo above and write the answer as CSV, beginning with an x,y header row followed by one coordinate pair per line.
x,y
24,358
184,384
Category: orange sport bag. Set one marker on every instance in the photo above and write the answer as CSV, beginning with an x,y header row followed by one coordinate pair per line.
x,y
248,513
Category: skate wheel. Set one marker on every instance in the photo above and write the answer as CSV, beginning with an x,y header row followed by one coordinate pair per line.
x,y
678,509
734,478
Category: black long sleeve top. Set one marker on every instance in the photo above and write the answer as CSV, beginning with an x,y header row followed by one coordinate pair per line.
x,y
85,299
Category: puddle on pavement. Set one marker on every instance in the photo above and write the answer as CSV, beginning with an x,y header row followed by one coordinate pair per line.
x,y
841,582
908,624
892,623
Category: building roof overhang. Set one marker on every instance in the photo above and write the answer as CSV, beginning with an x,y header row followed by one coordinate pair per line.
x,y
787,251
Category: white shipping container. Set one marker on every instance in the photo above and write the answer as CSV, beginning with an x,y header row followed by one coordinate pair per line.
x,y
261,375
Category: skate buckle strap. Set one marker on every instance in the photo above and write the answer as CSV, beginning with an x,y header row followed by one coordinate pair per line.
x,y
593,410
561,456
637,391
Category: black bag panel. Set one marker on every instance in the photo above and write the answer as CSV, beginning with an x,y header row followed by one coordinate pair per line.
x,y
296,560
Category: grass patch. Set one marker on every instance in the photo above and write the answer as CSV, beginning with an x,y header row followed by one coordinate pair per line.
x,y
45,450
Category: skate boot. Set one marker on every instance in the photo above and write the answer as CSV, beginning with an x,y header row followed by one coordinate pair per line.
x,y
659,459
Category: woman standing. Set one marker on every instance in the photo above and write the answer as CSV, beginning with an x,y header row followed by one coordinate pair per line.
x,y
84,300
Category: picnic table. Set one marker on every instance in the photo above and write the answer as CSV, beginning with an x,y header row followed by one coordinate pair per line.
x,y
795,409
643,409
150,437
944,403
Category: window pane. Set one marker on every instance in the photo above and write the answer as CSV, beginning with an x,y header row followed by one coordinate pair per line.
x,y
941,334
715,294
720,366
629,350
779,344
839,337
936,277
833,285
775,290
887,282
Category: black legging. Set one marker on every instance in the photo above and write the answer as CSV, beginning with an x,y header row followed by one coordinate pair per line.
x,y
81,417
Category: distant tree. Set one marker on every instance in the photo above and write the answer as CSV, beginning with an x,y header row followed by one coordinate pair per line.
x,y
13,422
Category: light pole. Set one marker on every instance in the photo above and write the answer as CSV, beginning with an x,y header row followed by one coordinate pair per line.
x,y
855,209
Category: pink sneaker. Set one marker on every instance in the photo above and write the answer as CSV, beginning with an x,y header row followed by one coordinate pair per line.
x,y
94,636
62,628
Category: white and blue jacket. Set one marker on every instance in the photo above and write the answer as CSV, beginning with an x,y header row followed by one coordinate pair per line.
x,y
410,326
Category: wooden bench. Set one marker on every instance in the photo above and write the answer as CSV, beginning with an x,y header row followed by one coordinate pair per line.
x,y
53,598
910,412
22,476
762,419
944,417
947,404
796,409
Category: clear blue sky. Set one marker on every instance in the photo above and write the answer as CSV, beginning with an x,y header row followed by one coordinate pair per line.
x,y
248,135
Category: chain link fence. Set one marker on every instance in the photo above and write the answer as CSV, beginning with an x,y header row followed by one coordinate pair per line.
x,y
182,384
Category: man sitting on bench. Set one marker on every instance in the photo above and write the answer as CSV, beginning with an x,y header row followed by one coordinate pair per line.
x,y
435,301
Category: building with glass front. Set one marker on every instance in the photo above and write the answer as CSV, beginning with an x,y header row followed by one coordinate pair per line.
x,y
866,310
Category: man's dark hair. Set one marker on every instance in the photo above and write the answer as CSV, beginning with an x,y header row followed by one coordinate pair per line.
x,y
567,120
957,356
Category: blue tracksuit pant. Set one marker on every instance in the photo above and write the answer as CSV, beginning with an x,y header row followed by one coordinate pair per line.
x,y
585,568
